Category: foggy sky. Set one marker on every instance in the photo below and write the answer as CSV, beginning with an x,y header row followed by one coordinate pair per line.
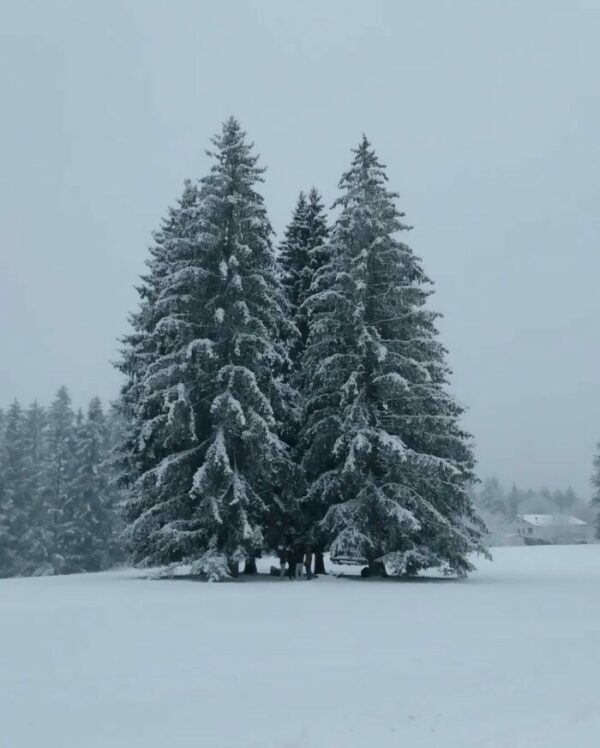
x,y
487,115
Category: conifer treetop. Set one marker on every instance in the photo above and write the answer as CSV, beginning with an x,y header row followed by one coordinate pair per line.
x,y
388,461
203,461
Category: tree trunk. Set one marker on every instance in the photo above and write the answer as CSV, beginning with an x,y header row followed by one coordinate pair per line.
x,y
319,563
377,569
234,568
250,566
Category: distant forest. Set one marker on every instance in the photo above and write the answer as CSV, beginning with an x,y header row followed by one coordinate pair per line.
x,y
59,493
58,496
499,505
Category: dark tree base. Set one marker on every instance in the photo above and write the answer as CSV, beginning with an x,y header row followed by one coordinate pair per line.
x,y
375,569
319,564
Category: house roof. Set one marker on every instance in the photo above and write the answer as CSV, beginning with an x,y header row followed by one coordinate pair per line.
x,y
554,520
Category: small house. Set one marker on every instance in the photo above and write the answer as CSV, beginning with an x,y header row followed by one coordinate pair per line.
x,y
540,529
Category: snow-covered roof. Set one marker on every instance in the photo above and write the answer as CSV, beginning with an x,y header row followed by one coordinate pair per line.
x,y
556,520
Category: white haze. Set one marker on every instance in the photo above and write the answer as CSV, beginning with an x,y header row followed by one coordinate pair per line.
x,y
486,114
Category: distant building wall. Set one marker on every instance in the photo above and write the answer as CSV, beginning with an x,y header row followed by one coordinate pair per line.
x,y
555,533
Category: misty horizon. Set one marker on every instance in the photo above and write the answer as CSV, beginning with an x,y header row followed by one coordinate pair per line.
x,y
109,109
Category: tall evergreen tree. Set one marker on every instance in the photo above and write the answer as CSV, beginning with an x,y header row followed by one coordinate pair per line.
x,y
164,363
513,501
564,500
116,427
57,474
34,541
13,499
303,252
86,526
205,464
389,464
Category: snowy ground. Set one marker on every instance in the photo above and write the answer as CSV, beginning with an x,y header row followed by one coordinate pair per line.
x,y
509,658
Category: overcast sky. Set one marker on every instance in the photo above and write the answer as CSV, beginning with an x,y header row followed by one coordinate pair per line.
x,y
486,113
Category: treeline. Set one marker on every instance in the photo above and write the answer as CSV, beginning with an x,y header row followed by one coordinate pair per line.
x,y
300,396
57,496
596,487
494,498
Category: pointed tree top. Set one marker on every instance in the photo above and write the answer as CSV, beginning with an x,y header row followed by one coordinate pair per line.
x,y
231,135
232,148
365,175
314,197
365,156
231,125
63,394
301,205
95,406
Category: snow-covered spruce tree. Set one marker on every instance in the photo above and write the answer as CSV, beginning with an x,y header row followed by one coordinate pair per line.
x,y
86,526
165,365
13,499
303,252
388,462
116,429
243,487
207,468
55,482
33,438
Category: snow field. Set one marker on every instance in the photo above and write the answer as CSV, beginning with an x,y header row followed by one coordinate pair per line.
x,y
508,658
